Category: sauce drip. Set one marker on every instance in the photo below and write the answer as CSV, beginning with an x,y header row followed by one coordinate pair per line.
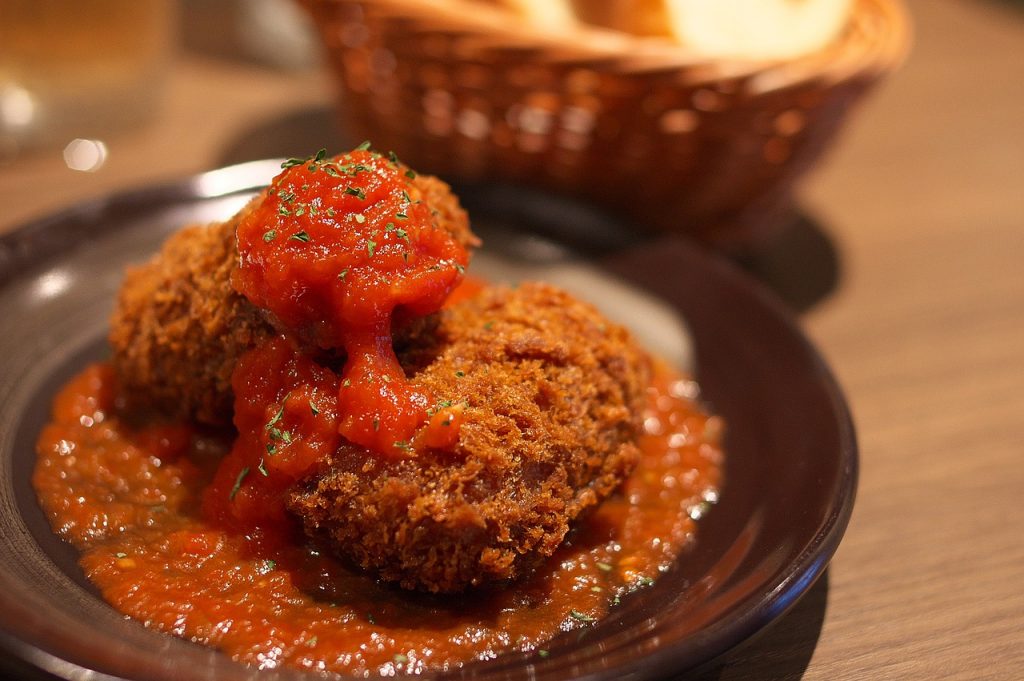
x,y
286,412
334,249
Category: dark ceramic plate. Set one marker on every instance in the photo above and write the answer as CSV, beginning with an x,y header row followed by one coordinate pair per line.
x,y
790,475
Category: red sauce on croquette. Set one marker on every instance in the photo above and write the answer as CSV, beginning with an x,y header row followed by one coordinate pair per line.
x,y
333,249
128,497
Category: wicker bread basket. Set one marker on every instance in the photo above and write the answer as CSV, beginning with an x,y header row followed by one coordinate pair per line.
x,y
639,126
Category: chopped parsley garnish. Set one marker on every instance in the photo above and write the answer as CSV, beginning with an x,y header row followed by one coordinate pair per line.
x,y
581,617
312,408
300,236
403,445
275,432
604,566
342,274
360,218
283,210
460,373
410,174
356,192
443,404
371,245
269,235
364,146
400,658
238,483
262,469
284,436
542,653
279,414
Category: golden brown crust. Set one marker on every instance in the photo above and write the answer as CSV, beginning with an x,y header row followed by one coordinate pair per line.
x,y
554,395
179,327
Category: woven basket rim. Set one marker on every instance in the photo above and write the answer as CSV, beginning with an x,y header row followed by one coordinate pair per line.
x,y
876,40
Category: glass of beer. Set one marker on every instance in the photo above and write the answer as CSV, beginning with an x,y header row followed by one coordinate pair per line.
x,y
79,69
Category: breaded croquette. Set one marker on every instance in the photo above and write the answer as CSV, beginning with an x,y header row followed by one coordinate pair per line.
x,y
551,396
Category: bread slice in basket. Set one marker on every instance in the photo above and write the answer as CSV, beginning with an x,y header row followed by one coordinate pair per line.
x,y
748,29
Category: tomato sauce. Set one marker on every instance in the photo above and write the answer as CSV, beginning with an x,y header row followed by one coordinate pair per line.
x,y
333,249
147,506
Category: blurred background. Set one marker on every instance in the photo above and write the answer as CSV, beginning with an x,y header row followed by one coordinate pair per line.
x,y
878,194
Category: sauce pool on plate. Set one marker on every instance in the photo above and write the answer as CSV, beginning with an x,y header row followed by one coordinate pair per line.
x,y
128,496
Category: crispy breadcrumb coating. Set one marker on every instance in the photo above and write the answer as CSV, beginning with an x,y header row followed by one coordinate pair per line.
x,y
179,327
553,395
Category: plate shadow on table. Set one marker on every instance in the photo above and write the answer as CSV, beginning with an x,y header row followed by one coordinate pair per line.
x,y
780,652
800,262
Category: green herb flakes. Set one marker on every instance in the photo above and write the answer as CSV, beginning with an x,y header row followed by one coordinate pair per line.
x,y
238,483
581,617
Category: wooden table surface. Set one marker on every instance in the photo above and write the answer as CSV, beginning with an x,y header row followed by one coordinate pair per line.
x,y
922,203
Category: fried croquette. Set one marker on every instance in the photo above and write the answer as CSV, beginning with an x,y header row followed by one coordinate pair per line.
x,y
179,326
551,397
